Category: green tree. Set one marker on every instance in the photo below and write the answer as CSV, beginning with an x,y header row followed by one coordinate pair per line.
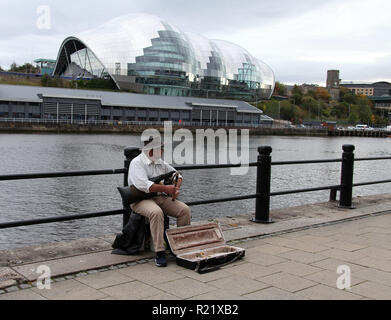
x,y
26,68
297,89
310,105
279,89
322,94
353,117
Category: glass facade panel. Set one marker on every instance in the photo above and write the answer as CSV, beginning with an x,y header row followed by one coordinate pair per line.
x,y
167,61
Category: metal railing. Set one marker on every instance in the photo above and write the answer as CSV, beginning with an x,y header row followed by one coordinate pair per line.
x,y
262,194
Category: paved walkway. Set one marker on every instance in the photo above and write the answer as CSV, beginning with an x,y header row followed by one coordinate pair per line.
x,y
296,265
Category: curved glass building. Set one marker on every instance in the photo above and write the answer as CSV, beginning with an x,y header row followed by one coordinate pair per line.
x,y
143,53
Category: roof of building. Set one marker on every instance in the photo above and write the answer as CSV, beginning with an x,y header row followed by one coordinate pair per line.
x,y
44,60
120,99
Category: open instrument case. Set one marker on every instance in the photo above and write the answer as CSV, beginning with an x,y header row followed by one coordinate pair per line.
x,y
202,248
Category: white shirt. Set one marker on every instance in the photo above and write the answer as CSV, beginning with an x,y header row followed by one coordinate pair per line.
x,y
142,168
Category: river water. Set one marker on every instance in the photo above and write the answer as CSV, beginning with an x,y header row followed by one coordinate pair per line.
x,y
31,199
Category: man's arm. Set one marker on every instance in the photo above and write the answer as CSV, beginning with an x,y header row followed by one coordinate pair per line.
x,y
169,189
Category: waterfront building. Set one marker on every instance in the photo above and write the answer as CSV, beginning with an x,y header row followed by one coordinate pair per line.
x,y
32,102
377,89
45,65
143,53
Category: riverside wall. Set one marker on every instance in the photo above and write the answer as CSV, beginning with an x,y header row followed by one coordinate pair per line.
x,y
15,127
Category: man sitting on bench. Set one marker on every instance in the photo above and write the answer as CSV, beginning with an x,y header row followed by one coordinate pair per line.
x,y
147,165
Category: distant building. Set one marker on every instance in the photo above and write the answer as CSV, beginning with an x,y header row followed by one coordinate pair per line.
x,y
30,102
377,89
333,79
147,54
46,65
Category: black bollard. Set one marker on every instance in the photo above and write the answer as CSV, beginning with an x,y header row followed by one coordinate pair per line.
x,y
345,200
262,203
130,154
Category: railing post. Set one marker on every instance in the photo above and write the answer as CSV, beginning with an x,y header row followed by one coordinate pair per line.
x,y
262,202
346,193
333,195
130,154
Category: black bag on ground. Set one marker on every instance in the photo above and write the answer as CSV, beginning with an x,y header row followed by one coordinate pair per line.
x,y
132,237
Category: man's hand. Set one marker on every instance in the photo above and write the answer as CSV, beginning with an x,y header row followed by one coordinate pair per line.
x,y
172,191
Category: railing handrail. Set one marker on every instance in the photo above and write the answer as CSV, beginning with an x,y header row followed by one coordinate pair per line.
x,y
44,175
263,163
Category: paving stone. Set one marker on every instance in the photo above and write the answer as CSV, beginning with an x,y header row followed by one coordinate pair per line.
x,y
250,244
8,277
272,249
69,290
263,259
295,268
343,255
302,256
104,279
342,237
12,289
75,264
287,282
134,290
150,274
58,279
25,286
312,239
329,278
219,295
204,277
333,264
27,294
162,296
250,270
375,252
374,275
372,290
273,293
346,246
381,264
295,244
322,292
185,288
376,230
238,285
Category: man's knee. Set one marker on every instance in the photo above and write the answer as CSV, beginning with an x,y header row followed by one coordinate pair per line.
x,y
185,212
156,214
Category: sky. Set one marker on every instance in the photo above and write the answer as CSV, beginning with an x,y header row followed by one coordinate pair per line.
x,y
300,40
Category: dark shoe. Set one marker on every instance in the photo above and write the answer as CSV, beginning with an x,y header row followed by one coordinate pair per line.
x,y
160,259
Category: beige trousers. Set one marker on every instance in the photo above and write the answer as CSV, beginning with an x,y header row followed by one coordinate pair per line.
x,y
155,209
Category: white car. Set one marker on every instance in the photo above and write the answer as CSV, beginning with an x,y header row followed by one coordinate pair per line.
x,y
361,127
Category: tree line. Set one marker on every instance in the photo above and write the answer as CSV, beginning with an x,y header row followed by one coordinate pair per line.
x,y
316,104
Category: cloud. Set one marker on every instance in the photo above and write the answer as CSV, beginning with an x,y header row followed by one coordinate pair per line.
x,y
300,40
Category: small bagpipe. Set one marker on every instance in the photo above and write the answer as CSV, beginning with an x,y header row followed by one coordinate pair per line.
x,y
131,194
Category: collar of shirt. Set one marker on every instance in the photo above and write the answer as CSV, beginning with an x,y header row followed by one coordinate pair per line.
x,y
148,161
